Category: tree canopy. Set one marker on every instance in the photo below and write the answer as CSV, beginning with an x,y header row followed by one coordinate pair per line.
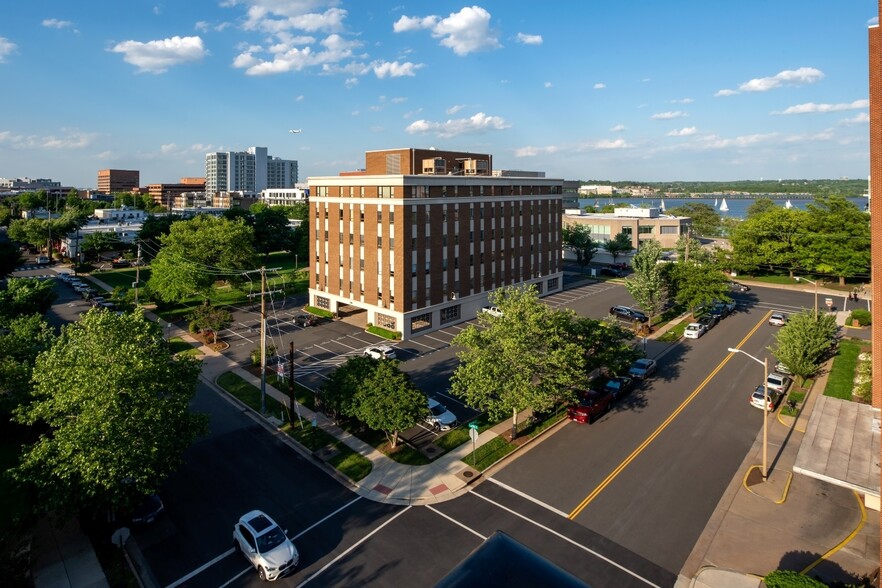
x,y
24,296
705,219
526,358
199,252
619,244
648,284
388,401
577,238
803,342
116,406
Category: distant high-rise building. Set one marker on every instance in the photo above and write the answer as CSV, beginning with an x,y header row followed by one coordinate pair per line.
x,y
111,181
249,171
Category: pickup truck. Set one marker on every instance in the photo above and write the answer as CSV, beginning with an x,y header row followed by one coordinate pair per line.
x,y
492,310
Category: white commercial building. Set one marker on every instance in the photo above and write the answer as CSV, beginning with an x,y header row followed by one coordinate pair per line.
x,y
250,171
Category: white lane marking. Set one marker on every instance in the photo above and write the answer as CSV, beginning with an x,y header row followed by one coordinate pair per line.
x,y
453,398
317,523
236,577
202,568
455,522
345,553
528,497
421,344
568,540
442,341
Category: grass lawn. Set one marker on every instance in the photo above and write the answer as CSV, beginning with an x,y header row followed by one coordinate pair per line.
x,y
180,347
497,448
676,332
348,462
840,382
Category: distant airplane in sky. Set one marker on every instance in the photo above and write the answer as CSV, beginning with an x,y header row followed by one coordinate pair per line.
x,y
296,131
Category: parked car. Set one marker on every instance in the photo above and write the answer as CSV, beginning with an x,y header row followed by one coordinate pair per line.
x,y
778,319
694,330
380,352
439,417
305,320
782,369
778,382
709,321
611,271
642,368
619,386
149,509
738,287
265,545
120,263
629,314
590,405
757,400
492,310
42,260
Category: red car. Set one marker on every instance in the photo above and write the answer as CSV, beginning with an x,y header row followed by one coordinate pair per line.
x,y
591,404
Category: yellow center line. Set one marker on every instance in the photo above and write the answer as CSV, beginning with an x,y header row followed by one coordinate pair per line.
x,y
608,480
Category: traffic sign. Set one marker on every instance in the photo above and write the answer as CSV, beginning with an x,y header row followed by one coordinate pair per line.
x,y
473,426
828,302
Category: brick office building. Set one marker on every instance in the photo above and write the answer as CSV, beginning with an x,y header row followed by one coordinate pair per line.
x,y
419,247
112,181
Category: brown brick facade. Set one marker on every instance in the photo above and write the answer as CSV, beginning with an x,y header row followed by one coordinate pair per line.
x,y
112,181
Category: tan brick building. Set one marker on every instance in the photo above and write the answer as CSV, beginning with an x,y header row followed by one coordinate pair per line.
x,y
421,251
167,194
111,181
638,223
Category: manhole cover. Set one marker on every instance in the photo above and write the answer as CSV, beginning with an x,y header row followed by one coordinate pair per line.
x,y
430,449
468,474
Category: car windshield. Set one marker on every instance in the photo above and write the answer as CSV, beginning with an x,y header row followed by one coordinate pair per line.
x,y
437,410
613,384
270,540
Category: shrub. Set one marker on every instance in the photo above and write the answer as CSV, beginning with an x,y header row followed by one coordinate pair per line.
x,y
863,317
863,381
790,579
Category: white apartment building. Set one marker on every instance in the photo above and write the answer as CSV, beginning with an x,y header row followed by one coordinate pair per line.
x,y
250,171
284,196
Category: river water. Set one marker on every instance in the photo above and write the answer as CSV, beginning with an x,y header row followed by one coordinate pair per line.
x,y
737,206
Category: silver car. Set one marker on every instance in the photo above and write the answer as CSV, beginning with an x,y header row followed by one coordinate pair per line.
x,y
265,545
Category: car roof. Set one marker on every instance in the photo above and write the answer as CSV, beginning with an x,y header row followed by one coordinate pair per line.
x,y
258,521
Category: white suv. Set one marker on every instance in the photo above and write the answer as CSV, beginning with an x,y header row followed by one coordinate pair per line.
x,y
265,545
380,352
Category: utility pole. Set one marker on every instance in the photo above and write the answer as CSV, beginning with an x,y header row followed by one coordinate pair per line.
x,y
137,273
262,293
688,238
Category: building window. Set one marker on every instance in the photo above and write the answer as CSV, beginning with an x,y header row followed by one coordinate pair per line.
x,y
644,230
553,284
450,314
672,230
420,322
628,231
385,321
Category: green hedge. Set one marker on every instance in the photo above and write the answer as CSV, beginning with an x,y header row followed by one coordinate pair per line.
x,y
789,579
863,317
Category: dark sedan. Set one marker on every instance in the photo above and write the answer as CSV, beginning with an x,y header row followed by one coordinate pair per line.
x,y
619,386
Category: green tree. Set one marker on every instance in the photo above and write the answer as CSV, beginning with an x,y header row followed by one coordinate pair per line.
x,y
619,244
837,238
10,258
116,408
604,346
197,253
760,206
705,220
697,285
577,238
206,317
803,342
24,296
339,390
94,244
526,358
774,239
22,339
648,284
152,229
271,230
388,401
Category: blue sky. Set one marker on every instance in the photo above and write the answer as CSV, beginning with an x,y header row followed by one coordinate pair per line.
x,y
581,89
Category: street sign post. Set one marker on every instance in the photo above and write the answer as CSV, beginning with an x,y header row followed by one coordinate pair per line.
x,y
828,302
473,434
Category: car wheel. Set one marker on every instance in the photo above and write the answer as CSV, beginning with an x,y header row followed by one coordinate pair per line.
x,y
236,546
261,573
436,427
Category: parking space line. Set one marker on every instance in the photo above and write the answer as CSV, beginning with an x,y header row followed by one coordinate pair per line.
x,y
528,497
421,344
568,540
319,522
356,544
442,341
202,568
236,577
456,522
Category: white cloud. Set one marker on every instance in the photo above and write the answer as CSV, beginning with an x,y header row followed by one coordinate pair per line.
x,y
797,77
399,100
299,98
273,16
157,56
599,86
411,113
394,69
529,39
7,48
811,107
547,84
603,145
71,139
335,49
668,115
715,142
617,129
475,124
54,23
455,108
531,151
725,92
682,101
205,26
684,132
859,118
168,148
466,31
350,82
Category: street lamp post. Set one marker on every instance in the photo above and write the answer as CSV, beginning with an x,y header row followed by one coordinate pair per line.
x,y
800,278
765,364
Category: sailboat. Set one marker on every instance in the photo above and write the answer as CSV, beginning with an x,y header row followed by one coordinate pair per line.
x,y
715,203
788,204
723,206
661,205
